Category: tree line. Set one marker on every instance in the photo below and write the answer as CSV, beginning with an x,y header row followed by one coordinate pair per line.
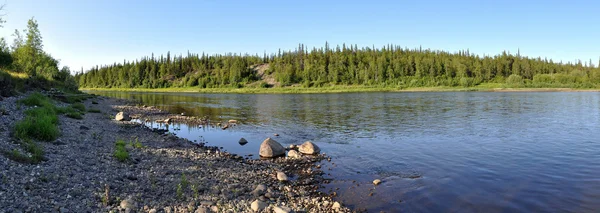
x,y
389,65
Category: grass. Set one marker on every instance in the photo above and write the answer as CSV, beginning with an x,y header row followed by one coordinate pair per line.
x,y
136,144
91,110
74,115
78,106
120,152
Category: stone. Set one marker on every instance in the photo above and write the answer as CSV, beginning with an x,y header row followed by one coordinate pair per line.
x,y
376,181
214,209
168,120
207,203
293,146
336,206
233,121
84,128
128,203
152,211
282,177
282,209
271,148
258,205
121,116
293,154
243,141
259,190
202,209
275,134
309,148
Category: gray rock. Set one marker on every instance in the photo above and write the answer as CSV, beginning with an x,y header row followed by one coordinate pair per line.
x,y
293,154
207,203
271,148
282,177
121,116
152,211
202,209
258,205
309,148
259,190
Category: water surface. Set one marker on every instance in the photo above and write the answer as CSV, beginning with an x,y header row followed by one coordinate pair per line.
x,y
435,152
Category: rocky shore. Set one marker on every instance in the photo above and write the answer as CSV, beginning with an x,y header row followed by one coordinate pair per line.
x,y
162,173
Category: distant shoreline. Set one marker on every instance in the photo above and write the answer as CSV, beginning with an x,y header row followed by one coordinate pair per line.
x,y
339,89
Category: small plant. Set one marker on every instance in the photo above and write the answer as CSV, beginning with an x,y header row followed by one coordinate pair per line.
x,y
184,180
120,152
137,144
195,191
179,191
78,106
74,115
94,111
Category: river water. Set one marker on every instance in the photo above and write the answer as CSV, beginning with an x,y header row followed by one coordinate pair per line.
x,y
434,152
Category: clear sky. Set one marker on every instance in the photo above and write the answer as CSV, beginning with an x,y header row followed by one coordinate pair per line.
x,y
84,33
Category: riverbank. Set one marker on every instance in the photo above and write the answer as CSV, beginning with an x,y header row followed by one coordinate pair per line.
x,y
82,171
346,89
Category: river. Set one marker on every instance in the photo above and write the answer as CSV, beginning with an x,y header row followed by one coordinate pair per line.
x,y
434,151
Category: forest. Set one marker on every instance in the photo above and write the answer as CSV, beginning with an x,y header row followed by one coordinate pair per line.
x,y
388,66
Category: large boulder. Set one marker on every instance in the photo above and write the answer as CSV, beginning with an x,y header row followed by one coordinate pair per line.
x,y
271,148
309,148
121,116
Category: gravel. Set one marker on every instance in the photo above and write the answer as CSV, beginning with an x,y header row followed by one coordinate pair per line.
x,y
167,174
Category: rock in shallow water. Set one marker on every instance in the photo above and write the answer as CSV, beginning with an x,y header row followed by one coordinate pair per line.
x,y
243,141
376,181
309,148
271,148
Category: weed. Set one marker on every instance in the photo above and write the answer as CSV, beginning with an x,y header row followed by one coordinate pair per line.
x,y
179,191
136,144
42,128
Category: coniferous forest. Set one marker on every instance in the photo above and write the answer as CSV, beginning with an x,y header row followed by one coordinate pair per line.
x,y
388,66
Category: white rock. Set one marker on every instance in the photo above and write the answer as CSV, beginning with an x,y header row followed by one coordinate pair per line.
x,y
376,181
128,204
271,148
121,116
281,176
293,154
282,209
309,148
258,205
336,206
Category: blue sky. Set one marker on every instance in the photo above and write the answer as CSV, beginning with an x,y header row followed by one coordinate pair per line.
x,y
83,33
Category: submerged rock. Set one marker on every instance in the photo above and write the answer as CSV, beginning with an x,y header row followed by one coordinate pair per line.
x,y
243,141
271,148
121,116
309,148
293,154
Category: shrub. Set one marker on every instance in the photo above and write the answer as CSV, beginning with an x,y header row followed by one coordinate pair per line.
x,y
514,79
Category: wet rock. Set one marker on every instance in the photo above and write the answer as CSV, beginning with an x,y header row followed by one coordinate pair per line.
x,y
121,116
275,134
271,148
293,154
243,141
233,121
282,209
282,177
309,148
376,182
168,120
258,205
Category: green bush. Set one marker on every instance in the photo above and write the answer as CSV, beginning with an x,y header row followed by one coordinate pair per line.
x,y
515,80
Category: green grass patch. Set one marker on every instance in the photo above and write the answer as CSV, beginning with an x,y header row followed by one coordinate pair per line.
x,y
41,128
78,106
120,151
74,115
36,99
94,110
136,144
